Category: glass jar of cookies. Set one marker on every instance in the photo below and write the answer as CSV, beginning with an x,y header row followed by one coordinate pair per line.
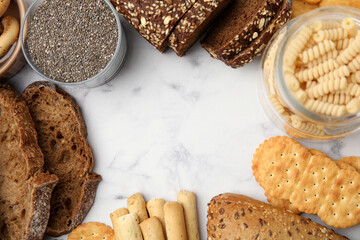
x,y
310,84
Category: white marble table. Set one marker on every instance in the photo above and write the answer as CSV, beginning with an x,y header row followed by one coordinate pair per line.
x,y
167,123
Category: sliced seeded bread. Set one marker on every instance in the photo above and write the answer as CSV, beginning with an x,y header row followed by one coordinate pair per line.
x,y
194,23
62,138
153,19
256,47
25,191
239,25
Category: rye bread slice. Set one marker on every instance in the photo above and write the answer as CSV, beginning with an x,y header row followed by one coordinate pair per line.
x,y
154,20
62,138
256,47
25,191
194,23
239,25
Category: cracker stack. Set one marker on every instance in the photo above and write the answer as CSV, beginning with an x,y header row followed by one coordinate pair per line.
x,y
313,182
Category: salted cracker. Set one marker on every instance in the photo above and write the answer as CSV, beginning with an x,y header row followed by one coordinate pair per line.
x,y
341,208
278,165
315,183
92,231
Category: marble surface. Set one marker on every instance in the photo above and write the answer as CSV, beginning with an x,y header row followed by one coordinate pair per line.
x,y
167,123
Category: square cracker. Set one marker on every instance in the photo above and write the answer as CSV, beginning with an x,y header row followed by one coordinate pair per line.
x,y
315,183
341,208
278,165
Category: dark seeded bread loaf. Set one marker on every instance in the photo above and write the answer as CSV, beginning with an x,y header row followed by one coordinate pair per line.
x,y
257,46
62,138
154,20
233,216
25,191
238,26
194,23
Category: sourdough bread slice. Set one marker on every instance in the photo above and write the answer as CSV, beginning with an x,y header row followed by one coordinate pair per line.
x,y
154,20
257,46
25,191
239,25
194,23
62,138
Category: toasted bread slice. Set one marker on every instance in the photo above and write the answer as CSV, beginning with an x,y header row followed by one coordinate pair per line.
x,y
25,191
62,138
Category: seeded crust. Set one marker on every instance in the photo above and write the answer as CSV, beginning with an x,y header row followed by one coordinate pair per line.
x,y
256,47
233,216
25,191
194,23
62,138
153,19
239,25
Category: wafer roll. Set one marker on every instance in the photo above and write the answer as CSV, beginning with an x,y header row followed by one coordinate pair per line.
x,y
188,201
174,221
136,204
152,229
155,208
114,217
128,227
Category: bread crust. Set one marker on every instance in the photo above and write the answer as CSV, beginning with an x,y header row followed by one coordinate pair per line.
x,y
87,182
42,186
234,216
36,186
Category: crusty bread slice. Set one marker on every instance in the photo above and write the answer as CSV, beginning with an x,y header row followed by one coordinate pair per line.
x,y
194,23
154,20
25,191
62,138
256,47
239,25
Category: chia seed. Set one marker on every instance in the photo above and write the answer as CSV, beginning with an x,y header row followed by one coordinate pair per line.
x,y
72,40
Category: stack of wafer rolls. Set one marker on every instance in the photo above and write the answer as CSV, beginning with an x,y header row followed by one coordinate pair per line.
x,y
157,219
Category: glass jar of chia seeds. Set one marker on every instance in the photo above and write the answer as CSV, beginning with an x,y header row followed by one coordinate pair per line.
x,y
310,85
74,43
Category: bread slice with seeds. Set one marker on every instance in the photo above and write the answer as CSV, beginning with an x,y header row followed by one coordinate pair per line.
x,y
239,25
154,20
256,47
194,23
234,216
25,191
62,138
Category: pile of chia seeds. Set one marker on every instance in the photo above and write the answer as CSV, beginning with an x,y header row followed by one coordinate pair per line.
x,y
72,40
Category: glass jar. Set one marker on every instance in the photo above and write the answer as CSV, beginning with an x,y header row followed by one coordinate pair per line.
x,y
105,75
277,99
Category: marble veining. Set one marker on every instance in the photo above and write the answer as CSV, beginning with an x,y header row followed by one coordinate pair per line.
x,y
166,123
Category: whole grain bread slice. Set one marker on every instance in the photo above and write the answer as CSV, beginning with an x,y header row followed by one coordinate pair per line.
x,y
154,20
25,191
239,25
257,46
62,138
194,23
